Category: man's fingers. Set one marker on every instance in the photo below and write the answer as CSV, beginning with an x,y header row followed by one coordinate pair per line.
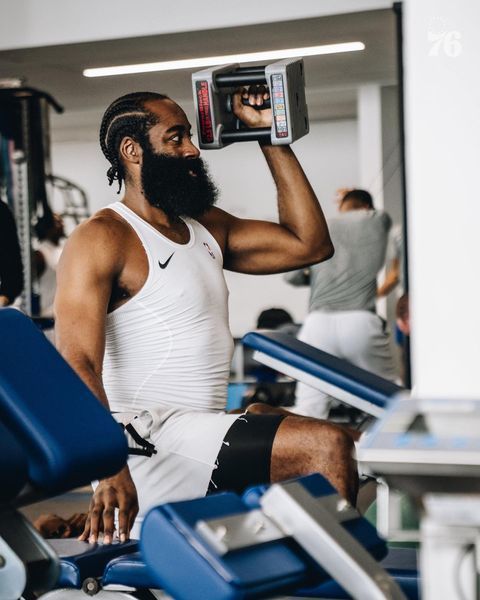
x,y
126,520
108,524
96,514
257,94
123,525
132,516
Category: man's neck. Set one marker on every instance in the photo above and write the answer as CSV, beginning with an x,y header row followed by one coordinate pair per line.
x,y
137,202
175,229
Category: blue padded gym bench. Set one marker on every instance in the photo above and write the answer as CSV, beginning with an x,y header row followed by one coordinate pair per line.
x,y
272,541
54,436
337,378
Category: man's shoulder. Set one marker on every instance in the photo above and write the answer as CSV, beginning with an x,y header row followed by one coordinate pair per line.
x,y
217,222
104,222
104,231
215,217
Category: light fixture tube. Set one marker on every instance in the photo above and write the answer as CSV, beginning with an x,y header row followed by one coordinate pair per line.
x,y
211,61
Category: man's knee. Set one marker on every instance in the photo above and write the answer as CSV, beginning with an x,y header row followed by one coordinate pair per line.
x,y
339,440
259,408
304,443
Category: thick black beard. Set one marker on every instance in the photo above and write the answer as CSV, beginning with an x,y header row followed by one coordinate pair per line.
x,y
168,184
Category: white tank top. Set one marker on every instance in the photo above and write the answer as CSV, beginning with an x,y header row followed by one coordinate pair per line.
x,y
170,345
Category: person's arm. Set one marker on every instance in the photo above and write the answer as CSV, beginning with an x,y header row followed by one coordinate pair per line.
x,y
392,275
298,278
392,278
11,268
89,265
300,238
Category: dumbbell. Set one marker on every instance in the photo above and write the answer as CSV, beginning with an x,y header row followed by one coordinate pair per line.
x,y
217,126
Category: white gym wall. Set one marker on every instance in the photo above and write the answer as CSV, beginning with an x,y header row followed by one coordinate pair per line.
x,y
328,155
31,23
442,56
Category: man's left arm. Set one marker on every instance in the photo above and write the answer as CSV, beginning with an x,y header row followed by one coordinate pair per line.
x,y
300,238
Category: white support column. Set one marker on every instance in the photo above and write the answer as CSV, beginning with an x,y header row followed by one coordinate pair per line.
x,y
442,83
370,156
370,141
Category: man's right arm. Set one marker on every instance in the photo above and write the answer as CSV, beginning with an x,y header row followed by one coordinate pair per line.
x,y
90,263
85,277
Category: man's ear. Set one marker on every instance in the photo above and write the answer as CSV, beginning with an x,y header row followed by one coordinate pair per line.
x,y
130,151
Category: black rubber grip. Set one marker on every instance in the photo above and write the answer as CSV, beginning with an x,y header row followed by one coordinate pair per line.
x,y
261,134
239,78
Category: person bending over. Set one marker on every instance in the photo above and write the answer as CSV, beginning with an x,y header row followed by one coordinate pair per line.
x,y
51,235
141,315
342,319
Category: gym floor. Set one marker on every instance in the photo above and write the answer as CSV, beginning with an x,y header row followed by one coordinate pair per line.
x,y
64,506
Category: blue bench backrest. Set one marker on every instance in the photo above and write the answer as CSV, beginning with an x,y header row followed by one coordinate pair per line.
x,y
323,366
68,437
13,466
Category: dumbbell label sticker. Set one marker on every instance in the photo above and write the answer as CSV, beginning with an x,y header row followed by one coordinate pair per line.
x,y
204,112
278,106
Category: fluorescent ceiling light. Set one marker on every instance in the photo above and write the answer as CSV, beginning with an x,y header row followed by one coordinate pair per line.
x,y
211,61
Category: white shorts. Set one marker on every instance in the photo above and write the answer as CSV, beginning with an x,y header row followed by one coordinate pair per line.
x,y
187,444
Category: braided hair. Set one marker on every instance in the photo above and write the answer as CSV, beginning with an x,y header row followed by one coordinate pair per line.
x,y
126,116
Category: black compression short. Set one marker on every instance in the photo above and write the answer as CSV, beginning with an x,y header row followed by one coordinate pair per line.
x,y
246,452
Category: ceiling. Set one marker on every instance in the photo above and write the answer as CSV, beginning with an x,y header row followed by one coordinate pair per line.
x,y
332,80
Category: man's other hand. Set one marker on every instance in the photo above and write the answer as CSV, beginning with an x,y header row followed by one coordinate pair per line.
x,y
115,492
54,527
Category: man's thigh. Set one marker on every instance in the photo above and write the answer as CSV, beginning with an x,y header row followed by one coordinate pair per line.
x,y
246,453
186,445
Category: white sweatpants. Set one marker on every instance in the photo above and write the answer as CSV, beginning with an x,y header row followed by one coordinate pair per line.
x,y
357,336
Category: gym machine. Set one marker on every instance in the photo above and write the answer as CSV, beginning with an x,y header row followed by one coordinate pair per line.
x,y
42,448
345,382
217,125
73,200
274,535
25,160
431,450
363,396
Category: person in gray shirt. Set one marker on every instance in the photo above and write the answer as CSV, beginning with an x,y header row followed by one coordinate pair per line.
x,y
342,318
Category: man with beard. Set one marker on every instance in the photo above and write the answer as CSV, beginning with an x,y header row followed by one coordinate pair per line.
x,y
141,315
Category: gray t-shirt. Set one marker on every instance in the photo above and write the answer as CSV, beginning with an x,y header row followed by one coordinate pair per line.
x,y
348,281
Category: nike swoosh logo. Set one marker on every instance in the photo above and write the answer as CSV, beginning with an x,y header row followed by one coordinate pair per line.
x,y
165,264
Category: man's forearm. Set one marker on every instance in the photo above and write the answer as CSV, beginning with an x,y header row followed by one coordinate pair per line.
x,y
90,378
298,206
